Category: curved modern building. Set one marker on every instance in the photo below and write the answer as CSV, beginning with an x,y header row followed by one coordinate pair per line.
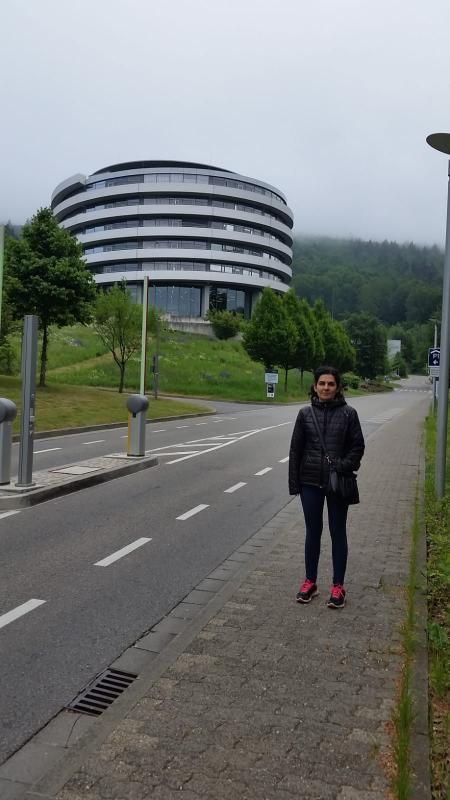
x,y
204,236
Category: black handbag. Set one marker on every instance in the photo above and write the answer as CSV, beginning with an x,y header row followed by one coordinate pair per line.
x,y
343,484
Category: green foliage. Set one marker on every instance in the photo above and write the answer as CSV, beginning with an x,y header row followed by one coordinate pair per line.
x,y
395,283
337,349
189,364
398,365
350,380
225,324
118,322
271,332
46,275
368,337
301,352
437,523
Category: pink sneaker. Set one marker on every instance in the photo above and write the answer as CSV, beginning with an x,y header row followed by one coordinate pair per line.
x,y
307,591
337,596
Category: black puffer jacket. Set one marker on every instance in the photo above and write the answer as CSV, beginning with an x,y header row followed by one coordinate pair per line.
x,y
343,438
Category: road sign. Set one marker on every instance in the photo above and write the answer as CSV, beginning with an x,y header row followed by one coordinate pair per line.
x,y
434,372
271,377
434,356
270,390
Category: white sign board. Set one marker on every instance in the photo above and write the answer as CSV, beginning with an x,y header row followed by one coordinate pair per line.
x,y
271,377
434,372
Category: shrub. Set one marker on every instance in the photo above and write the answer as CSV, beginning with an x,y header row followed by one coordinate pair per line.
x,y
350,380
225,324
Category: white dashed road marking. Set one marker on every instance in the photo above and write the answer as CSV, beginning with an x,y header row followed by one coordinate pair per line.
x,y
97,441
234,488
105,562
263,471
10,616
49,450
283,460
193,511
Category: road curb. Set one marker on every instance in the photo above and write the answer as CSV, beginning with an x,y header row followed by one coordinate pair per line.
x,y
14,501
108,425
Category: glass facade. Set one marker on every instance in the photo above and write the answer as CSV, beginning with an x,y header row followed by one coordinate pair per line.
x,y
178,244
179,301
165,222
222,298
186,177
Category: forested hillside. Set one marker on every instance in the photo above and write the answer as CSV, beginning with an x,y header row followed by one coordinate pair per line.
x,y
397,283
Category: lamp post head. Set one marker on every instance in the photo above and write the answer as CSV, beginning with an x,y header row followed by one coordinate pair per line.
x,y
440,141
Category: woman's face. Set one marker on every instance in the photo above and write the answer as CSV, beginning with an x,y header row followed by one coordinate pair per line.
x,y
326,387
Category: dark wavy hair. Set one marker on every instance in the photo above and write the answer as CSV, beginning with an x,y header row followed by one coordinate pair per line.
x,y
326,370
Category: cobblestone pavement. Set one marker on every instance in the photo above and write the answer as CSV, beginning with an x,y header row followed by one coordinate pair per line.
x,y
276,700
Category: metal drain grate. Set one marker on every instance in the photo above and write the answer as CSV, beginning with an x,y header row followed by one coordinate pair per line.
x,y
102,692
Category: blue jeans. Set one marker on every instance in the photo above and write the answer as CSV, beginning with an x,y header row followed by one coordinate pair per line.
x,y
312,499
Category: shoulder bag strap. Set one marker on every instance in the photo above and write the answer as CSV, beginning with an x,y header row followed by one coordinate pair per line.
x,y
319,433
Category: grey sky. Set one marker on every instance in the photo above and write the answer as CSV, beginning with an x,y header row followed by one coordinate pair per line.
x,y
329,100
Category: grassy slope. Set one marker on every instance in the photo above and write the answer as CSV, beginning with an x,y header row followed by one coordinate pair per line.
x,y
68,406
189,365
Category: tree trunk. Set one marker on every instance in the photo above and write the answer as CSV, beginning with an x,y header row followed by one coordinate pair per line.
x,y
122,377
43,356
301,376
285,379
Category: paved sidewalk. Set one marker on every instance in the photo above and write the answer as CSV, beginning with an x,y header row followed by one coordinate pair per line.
x,y
67,478
266,698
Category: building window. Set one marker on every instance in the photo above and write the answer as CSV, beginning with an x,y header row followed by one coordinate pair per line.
x,y
179,301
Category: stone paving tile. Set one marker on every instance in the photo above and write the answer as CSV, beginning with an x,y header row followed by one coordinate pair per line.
x,y
276,700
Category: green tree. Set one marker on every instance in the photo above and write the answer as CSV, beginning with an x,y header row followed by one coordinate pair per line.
x,y
118,322
318,353
46,276
368,337
301,350
225,324
338,350
270,332
398,365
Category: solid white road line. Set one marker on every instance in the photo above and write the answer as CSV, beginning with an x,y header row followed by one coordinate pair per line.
x,y
283,460
97,441
105,562
263,471
193,511
10,616
9,513
49,450
234,488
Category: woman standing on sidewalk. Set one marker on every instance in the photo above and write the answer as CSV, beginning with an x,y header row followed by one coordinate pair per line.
x,y
309,475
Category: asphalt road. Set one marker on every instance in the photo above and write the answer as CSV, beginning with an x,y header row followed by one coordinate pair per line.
x,y
219,480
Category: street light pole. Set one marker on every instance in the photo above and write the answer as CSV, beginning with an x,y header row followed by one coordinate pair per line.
x,y
441,142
